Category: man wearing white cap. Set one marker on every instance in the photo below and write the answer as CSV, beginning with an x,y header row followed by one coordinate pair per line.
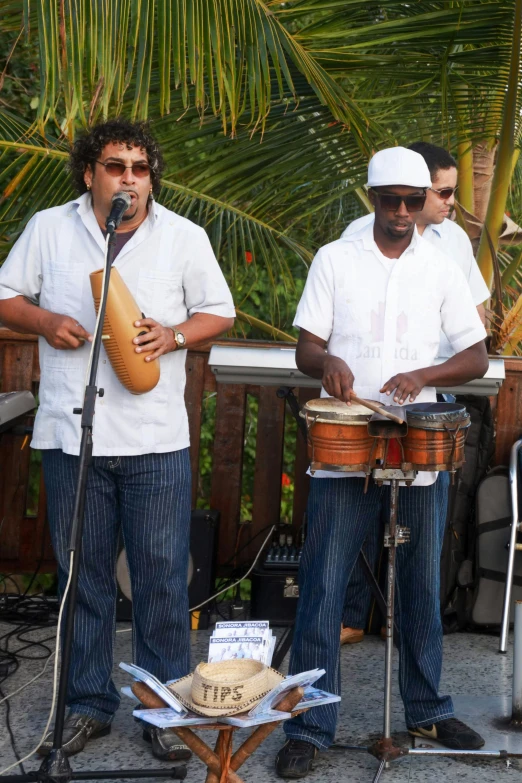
x,y
433,225
370,319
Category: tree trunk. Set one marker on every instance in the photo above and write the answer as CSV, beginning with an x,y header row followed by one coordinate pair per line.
x,y
483,168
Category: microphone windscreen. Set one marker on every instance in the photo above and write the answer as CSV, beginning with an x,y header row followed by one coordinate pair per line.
x,y
123,195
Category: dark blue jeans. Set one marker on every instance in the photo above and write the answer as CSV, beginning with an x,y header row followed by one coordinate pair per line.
x,y
358,596
148,497
339,517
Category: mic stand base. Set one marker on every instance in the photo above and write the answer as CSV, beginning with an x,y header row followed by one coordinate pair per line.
x,y
174,773
55,768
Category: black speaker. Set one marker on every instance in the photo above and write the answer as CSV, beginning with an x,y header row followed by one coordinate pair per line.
x,y
274,595
204,526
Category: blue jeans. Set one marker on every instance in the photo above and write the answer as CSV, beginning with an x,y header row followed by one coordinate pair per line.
x,y
148,497
358,593
339,517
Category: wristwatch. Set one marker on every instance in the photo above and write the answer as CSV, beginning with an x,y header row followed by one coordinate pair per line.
x,y
179,338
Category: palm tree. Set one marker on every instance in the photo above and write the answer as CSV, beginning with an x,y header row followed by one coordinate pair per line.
x,y
267,112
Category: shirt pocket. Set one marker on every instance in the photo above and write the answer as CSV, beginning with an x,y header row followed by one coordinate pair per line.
x,y
161,296
62,387
62,286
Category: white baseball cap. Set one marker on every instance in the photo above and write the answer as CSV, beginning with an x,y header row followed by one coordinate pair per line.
x,y
398,166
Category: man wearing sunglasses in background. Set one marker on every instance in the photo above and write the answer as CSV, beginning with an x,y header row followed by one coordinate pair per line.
x,y
446,235
370,319
139,477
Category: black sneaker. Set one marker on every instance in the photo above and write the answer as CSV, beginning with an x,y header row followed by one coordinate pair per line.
x,y
77,731
295,759
451,732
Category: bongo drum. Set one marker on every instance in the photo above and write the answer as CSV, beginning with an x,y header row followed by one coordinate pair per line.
x,y
436,435
338,438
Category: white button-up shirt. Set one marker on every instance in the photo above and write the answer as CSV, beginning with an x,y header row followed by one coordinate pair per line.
x,y
385,316
171,271
453,241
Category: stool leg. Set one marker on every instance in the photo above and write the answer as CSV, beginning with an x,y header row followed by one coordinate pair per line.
x,y
212,777
225,754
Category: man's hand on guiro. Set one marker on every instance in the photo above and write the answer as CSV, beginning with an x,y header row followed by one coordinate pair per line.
x,y
63,332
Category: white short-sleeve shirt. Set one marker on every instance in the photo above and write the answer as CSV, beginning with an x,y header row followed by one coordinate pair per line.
x,y
384,317
171,271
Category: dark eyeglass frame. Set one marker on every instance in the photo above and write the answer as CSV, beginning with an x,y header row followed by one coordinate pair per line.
x,y
448,191
392,201
139,170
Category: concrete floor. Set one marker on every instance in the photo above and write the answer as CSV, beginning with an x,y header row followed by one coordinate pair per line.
x,y
472,668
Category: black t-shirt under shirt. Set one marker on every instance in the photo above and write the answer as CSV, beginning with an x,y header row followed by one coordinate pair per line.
x,y
121,240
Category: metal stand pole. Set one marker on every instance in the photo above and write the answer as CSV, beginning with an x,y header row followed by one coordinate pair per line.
x,y
390,608
516,715
513,480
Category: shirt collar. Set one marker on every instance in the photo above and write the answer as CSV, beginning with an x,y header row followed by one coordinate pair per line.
x,y
84,206
438,228
366,235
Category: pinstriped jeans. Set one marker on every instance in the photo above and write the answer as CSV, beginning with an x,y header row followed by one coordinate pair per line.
x,y
149,498
339,517
358,593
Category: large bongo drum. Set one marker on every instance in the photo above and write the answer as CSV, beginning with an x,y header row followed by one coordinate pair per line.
x,y
436,435
338,438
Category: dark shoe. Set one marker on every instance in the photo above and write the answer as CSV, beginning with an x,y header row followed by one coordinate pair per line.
x,y
166,745
451,732
77,730
295,759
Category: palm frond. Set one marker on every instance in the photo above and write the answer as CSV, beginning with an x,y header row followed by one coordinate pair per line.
x,y
233,58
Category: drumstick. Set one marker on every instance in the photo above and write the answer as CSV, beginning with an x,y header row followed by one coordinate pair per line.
x,y
377,409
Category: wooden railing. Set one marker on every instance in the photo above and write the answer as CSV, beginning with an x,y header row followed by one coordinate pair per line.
x,y
24,538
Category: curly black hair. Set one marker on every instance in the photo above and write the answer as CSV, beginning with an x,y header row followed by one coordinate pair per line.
x,y
87,148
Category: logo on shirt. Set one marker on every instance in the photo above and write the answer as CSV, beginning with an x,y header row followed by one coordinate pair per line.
x,y
373,349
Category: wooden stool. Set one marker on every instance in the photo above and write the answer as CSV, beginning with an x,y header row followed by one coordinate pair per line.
x,y
221,763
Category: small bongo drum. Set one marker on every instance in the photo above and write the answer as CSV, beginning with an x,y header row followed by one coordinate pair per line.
x,y
436,435
338,438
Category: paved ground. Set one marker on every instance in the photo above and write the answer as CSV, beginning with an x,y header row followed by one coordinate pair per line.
x,y
473,672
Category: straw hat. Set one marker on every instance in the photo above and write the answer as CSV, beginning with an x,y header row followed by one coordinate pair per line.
x,y
225,688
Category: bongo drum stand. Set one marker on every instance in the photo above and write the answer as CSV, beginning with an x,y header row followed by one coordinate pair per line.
x,y
384,749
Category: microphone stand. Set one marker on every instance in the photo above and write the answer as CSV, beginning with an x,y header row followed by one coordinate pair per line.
x,y
56,767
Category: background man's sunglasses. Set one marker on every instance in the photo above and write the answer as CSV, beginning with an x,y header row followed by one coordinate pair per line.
x,y
114,169
392,202
444,193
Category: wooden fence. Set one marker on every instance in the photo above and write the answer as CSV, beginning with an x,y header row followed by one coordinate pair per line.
x,y
24,538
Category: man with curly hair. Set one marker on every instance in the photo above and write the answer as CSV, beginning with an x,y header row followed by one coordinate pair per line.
x,y
139,480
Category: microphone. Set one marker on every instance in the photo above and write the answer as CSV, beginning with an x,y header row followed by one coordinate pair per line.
x,y
121,201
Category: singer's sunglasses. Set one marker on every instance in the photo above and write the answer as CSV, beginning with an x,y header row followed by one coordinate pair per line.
x,y
444,193
391,201
115,169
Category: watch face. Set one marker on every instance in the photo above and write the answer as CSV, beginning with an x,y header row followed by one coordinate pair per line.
x,y
180,338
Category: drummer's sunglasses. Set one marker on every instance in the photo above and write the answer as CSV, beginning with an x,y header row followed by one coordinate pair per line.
x,y
115,169
391,201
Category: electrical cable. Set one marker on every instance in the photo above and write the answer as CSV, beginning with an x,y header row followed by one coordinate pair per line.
x,y
37,677
10,731
55,674
212,597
